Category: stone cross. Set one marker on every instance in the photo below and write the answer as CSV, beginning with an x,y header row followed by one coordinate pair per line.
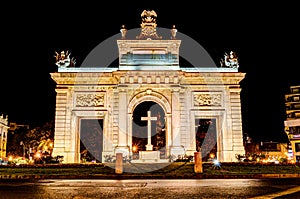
x,y
149,146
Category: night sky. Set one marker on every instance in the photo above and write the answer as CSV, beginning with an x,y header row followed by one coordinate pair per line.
x,y
265,38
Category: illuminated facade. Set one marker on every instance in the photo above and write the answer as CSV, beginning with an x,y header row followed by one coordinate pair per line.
x,y
292,122
3,135
148,108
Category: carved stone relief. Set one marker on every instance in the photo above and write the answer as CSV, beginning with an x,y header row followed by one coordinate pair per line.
x,y
207,99
89,100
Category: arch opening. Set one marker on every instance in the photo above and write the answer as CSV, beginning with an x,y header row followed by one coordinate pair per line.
x,y
148,128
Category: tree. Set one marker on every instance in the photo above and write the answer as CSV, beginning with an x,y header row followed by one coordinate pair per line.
x,y
14,138
36,139
41,138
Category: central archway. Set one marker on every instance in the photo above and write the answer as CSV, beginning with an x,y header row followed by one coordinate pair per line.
x,y
140,128
154,97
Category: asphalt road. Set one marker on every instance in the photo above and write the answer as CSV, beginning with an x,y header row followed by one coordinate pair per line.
x,y
152,188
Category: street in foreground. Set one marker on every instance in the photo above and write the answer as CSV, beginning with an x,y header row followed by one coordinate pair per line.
x,y
150,188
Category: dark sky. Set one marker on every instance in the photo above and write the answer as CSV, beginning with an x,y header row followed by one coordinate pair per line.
x,y
265,38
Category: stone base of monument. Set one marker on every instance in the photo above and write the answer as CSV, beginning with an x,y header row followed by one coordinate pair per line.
x,y
122,149
149,157
177,151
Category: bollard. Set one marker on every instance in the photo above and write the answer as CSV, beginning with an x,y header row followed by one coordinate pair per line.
x,y
119,163
198,162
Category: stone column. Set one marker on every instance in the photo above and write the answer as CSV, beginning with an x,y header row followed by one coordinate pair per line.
x,y
60,124
122,119
176,146
168,133
175,118
129,133
122,146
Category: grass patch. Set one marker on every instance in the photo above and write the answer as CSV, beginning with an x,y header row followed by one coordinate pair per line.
x,y
177,169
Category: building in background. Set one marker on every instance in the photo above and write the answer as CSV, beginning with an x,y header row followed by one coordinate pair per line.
x,y
274,151
292,122
3,135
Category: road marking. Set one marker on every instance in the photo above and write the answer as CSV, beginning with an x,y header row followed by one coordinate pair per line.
x,y
278,194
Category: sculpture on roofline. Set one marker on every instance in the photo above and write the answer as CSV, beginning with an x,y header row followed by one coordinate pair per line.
x,y
173,32
63,59
123,31
230,61
148,25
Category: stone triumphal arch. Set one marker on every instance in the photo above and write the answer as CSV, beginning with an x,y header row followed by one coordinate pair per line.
x,y
172,110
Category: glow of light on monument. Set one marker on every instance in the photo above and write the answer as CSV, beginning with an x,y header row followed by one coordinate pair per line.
x,y
216,163
135,148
